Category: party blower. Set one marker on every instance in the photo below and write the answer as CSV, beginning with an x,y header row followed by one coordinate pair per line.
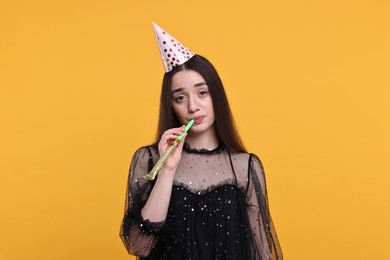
x,y
157,167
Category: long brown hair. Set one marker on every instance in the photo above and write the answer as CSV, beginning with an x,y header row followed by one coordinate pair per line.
x,y
225,127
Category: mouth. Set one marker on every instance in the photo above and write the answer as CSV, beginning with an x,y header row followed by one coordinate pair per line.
x,y
198,120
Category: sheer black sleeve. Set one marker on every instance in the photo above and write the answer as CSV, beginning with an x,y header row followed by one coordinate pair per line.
x,y
138,235
265,243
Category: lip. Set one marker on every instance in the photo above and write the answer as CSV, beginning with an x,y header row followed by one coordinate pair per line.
x,y
198,120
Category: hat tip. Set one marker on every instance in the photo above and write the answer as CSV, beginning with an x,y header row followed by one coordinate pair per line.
x,y
155,26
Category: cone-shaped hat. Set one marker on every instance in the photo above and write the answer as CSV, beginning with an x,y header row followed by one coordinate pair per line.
x,y
173,53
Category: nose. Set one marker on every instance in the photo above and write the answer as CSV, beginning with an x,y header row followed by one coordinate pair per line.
x,y
193,105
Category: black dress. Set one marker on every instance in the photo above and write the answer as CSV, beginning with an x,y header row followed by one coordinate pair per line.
x,y
218,209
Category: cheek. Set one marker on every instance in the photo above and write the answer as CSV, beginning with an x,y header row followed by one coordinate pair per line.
x,y
177,110
210,106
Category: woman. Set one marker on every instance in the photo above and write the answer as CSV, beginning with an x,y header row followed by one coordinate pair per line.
x,y
209,201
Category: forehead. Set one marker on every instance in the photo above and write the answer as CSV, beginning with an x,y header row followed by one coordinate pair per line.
x,y
186,78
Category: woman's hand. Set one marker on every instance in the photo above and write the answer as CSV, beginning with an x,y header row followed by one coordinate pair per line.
x,y
167,139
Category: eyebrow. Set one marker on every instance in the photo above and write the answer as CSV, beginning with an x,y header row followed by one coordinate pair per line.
x,y
200,84
196,85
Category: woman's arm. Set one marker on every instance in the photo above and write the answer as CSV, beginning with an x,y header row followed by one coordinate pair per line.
x,y
156,208
147,202
137,234
265,241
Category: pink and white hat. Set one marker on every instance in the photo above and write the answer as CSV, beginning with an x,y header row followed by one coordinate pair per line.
x,y
173,53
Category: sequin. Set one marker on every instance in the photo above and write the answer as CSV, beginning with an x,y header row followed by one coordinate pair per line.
x,y
209,203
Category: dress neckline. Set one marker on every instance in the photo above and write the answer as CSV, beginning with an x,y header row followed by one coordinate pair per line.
x,y
217,150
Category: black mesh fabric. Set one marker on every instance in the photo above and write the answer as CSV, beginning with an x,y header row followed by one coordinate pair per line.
x,y
218,209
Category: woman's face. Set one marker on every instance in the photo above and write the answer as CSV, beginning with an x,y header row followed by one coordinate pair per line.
x,y
191,100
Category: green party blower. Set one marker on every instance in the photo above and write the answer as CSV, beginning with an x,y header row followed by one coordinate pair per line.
x,y
157,167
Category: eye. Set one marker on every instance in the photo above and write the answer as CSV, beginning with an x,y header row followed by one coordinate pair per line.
x,y
180,99
203,93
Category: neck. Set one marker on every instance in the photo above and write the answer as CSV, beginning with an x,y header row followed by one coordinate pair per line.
x,y
207,140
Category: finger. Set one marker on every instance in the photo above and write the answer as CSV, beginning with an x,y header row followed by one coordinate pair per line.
x,y
169,137
169,134
178,130
173,133
180,145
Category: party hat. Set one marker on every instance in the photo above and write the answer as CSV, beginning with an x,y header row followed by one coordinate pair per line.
x,y
172,52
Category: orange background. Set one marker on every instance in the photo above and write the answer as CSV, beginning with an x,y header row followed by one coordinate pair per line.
x,y
308,83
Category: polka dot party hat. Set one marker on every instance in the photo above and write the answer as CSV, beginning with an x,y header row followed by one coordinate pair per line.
x,y
172,52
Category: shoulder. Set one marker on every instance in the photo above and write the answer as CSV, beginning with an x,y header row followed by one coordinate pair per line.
x,y
240,161
145,153
146,149
240,157
245,158
255,160
248,164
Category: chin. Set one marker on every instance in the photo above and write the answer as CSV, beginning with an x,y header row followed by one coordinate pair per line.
x,y
202,128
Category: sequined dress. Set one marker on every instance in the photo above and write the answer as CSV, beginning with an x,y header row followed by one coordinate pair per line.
x,y
218,209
